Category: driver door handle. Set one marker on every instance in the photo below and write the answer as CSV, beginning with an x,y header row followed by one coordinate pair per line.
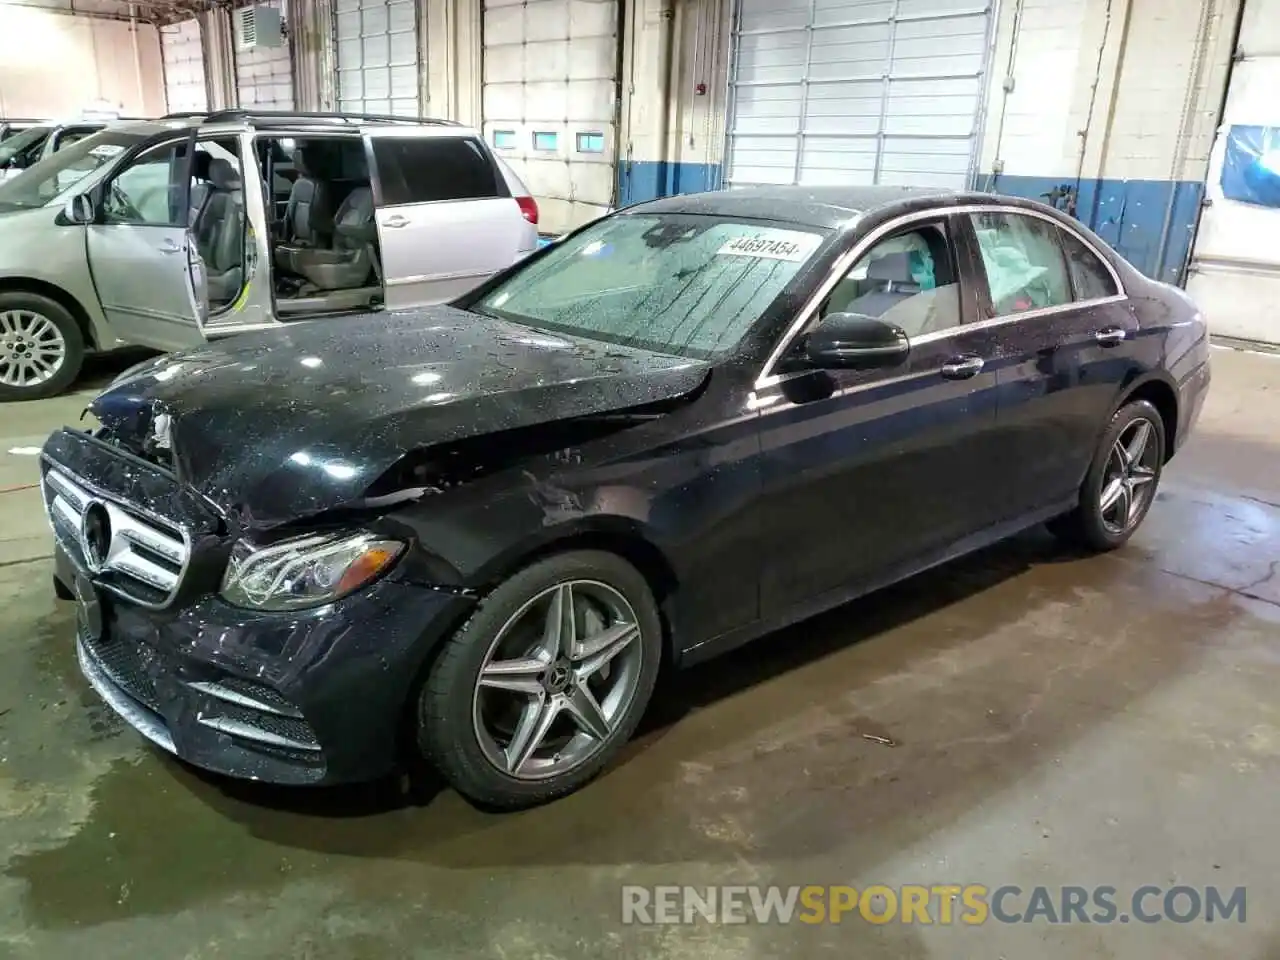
x,y
962,368
168,246
395,220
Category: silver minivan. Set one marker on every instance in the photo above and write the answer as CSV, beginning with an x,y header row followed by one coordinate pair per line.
x,y
171,232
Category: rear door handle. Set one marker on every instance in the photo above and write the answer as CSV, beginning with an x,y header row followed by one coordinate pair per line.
x,y
1110,336
962,368
170,247
395,220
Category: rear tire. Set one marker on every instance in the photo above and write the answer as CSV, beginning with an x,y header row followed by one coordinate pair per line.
x,y
500,677
41,347
1121,483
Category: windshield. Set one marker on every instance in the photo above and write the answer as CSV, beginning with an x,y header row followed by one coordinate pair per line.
x,y
59,172
23,147
679,284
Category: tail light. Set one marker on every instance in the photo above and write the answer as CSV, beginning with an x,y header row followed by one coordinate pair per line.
x,y
528,208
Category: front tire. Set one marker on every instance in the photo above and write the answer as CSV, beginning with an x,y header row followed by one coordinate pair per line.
x,y
41,347
540,688
1121,483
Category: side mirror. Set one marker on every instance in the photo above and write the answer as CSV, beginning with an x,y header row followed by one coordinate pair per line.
x,y
79,209
851,341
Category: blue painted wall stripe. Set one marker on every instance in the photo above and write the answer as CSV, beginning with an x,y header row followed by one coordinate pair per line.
x,y
1128,214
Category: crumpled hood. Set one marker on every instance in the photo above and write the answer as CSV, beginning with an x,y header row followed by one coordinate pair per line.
x,y
277,426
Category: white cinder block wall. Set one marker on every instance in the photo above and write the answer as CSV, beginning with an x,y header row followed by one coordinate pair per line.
x,y
1111,113
54,64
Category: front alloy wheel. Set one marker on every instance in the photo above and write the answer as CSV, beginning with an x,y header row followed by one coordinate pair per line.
x,y
546,681
557,679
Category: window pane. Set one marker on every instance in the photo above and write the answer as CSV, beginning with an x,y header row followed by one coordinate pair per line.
x,y
676,284
147,191
433,168
1024,264
907,280
1088,273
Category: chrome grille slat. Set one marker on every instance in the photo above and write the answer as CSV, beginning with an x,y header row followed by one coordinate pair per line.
x,y
240,699
144,553
246,731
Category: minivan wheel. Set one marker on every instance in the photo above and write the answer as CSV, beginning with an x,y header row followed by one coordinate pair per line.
x,y
41,347
1121,483
538,690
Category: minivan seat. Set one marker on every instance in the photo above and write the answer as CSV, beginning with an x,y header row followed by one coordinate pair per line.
x,y
219,232
307,218
353,256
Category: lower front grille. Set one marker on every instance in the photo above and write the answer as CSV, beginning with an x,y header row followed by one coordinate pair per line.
x,y
257,713
125,665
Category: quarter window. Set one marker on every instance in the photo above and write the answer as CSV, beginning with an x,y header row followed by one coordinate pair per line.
x,y
1023,260
1089,275
908,280
428,169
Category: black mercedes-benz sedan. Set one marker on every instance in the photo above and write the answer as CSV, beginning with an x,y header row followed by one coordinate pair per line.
x,y
479,531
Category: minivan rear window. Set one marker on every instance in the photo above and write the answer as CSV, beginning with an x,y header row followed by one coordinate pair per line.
x,y
427,169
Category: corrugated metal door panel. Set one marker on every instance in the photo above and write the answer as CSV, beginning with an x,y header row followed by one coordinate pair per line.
x,y
377,56
549,107
183,53
856,91
1235,263
264,76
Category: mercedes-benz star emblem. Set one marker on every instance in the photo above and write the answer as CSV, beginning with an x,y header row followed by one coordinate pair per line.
x,y
95,535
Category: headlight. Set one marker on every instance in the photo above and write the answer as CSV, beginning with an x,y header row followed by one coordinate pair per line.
x,y
306,571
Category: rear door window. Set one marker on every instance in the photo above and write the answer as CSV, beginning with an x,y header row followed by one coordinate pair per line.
x,y
1089,275
1023,261
431,169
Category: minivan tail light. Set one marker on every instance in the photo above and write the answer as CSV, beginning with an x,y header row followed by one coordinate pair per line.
x,y
528,208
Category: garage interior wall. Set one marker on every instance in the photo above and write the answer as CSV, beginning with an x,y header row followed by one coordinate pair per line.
x,y
264,75
1125,145
55,64
1235,267
184,79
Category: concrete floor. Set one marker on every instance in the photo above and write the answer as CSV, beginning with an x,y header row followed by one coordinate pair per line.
x,y
1053,720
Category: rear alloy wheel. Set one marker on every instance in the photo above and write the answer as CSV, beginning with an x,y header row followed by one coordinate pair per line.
x,y
1121,484
41,347
541,687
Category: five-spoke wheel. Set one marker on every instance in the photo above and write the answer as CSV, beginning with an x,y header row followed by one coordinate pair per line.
x,y
538,690
1121,483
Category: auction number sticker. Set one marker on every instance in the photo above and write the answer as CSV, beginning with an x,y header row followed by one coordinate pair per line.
x,y
788,246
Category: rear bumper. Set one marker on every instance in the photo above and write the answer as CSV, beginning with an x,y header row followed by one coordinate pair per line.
x,y
294,700
1191,396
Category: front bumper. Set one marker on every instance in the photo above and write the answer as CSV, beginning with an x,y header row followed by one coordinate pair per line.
x,y
303,698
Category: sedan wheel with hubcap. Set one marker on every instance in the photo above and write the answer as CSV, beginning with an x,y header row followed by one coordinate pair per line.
x,y
539,689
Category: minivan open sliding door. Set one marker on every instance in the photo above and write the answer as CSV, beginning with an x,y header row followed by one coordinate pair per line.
x,y
149,275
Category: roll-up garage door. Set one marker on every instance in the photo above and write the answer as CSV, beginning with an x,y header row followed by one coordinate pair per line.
x,y
377,54
1235,266
550,101
264,75
184,86
856,91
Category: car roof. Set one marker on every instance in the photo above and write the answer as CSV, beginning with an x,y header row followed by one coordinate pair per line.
x,y
823,207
